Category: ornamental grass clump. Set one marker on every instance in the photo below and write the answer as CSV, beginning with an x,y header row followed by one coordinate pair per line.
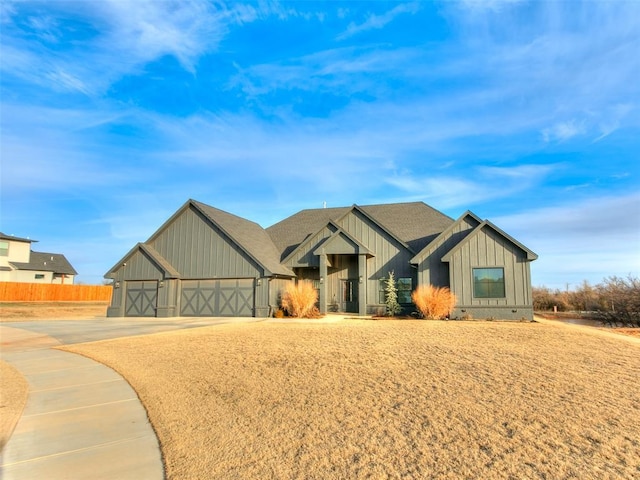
x,y
432,302
299,300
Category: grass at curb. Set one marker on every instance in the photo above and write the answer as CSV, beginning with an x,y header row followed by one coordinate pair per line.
x,y
13,397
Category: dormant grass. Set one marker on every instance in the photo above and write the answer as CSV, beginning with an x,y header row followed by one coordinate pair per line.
x,y
13,397
387,399
432,302
24,311
299,299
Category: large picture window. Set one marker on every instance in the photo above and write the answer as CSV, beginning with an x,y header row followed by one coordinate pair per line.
x,y
488,283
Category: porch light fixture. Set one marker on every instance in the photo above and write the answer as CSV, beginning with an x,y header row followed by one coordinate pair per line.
x,y
259,282
360,279
161,284
116,285
321,279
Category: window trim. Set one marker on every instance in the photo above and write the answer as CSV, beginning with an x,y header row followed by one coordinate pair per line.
x,y
489,294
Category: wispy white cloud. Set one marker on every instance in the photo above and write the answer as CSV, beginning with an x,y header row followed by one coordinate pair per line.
x,y
121,38
472,186
470,117
594,237
374,21
562,131
488,5
147,29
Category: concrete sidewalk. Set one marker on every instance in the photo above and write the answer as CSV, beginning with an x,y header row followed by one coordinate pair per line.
x,y
82,420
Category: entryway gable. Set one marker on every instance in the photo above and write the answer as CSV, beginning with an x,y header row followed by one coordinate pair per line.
x,y
366,230
341,243
303,255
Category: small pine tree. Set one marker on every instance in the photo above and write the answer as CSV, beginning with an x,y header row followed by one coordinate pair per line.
x,y
391,295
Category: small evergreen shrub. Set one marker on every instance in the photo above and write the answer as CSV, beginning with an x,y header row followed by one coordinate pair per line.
x,y
391,295
433,303
299,299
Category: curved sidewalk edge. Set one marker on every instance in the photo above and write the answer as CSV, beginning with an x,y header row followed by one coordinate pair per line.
x,y
601,331
82,419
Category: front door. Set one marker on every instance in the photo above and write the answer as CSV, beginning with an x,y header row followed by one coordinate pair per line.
x,y
349,301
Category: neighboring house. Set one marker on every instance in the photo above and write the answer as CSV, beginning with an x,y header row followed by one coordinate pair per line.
x,y
19,264
206,262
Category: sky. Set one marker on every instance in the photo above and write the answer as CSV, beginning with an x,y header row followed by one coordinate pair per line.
x,y
114,113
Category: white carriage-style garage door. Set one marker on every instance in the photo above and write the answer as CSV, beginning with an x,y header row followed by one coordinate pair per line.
x,y
217,298
142,298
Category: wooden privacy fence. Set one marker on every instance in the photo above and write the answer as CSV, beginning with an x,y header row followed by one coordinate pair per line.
x,y
49,292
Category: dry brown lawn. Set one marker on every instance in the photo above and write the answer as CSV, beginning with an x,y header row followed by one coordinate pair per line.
x,y
387,399
21,311
13,397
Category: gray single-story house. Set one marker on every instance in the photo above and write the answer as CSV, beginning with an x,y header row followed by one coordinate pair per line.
x,y
206,262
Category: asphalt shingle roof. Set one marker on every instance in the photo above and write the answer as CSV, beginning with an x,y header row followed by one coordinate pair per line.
x,y
415,223
4,236
46,262
251,236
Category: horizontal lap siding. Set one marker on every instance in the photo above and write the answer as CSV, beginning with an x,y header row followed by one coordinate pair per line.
x,y
197,249
488,249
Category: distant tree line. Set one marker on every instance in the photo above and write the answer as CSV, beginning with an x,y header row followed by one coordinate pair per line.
x,y
615,301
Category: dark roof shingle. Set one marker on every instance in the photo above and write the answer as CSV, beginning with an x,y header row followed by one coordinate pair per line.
x,y
414,223
46,262
4,236
251,237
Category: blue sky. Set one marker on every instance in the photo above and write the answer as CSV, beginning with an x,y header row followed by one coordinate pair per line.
x,y
114,113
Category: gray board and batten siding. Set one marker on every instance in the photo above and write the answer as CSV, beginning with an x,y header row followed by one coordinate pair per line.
x,y
201,265
206,262
489,247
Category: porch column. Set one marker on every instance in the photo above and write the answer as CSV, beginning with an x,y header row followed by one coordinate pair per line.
x,y
362,285
323,283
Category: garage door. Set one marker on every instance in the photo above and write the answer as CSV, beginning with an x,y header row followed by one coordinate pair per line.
x,y
142,298
217,298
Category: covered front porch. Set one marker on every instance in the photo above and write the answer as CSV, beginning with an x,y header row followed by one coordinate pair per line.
x,y
341,282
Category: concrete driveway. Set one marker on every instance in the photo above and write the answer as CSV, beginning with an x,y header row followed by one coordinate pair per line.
x,y
82,420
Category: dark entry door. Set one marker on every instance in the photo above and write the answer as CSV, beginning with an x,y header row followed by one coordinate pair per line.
x,y
142,298
349,302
